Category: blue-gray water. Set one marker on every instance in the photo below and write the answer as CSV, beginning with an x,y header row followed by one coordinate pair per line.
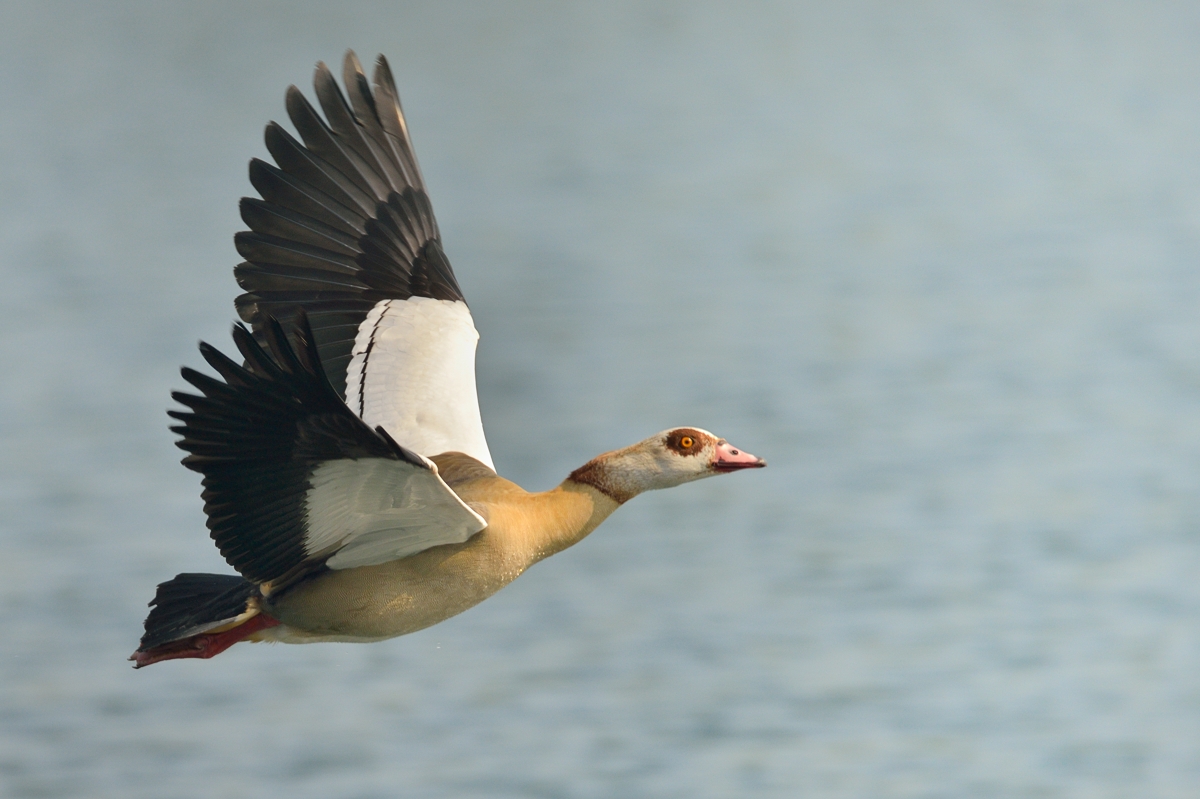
x,y
937,265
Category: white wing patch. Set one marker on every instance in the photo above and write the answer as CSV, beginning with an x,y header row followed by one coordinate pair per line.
x,y
380,510
413,372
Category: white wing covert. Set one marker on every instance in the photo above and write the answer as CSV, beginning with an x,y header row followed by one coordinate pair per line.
x,y
376,510
345,232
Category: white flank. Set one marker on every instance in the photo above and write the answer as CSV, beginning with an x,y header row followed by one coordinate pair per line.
x,y
378,510
419,359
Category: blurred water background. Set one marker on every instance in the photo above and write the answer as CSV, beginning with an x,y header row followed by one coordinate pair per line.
x,y
937,264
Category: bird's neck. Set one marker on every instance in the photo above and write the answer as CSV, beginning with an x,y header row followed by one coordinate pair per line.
x,y
571,511
585,499
531,527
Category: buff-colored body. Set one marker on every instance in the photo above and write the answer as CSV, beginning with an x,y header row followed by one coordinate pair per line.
x,y
372,603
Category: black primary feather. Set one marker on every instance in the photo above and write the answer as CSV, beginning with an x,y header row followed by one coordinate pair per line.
x,y
257,435
344,220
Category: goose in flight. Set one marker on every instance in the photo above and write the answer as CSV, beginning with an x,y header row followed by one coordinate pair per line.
x,y
346,474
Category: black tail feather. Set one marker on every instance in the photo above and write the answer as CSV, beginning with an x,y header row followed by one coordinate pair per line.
x,y
193,603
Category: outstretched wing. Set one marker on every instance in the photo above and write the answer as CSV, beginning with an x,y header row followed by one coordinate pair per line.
x,y
293,479
345,232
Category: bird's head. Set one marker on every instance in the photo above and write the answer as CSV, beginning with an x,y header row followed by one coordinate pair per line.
x,y
664,460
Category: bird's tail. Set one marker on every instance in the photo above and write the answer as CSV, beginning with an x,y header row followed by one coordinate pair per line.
x,y
198,616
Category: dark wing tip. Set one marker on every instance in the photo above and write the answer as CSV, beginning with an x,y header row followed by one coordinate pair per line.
x,y
344,220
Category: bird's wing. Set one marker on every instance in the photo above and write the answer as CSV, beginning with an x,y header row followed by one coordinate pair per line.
x,y
293,479
345,231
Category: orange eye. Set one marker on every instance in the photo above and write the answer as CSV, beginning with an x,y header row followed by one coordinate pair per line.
x,y
686,442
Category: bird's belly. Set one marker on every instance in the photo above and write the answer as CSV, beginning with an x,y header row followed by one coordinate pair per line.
x,y
372,603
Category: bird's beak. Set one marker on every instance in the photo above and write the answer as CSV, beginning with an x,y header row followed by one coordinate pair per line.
x,y
729,459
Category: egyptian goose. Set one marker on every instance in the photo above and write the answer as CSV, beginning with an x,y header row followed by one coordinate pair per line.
x,y
346,474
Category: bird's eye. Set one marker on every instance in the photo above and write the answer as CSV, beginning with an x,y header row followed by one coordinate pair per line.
x,y
686,442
